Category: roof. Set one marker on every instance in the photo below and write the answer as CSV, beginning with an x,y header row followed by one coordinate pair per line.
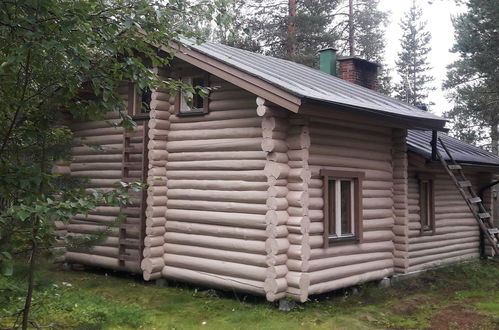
x,y
311,85
419,142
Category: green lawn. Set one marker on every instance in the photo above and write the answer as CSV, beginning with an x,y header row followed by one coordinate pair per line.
x,y
456,297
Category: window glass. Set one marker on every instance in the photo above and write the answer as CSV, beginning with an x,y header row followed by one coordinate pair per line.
x,y
346,207
189,101
341,207
145,101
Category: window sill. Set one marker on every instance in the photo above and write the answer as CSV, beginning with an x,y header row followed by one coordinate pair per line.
x,y
191,113
427,231
344,239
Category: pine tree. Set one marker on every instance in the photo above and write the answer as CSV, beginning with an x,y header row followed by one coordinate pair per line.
x,y
360,26
265,26
412,64
474,78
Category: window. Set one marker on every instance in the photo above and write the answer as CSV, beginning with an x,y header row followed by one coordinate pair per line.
x,y
426,202
139,101
189,103
342,192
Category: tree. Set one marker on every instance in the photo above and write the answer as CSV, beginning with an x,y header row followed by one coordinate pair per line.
x,y
474,78
62,59
290,29
360,27
412,64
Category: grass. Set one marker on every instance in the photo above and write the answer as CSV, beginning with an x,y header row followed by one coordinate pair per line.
x,y
461,296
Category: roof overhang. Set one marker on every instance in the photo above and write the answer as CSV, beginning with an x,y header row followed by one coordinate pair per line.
x,y
376,117
237,77
286,99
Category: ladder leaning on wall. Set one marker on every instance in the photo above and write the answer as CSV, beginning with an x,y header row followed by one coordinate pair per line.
x,y
473,201
128,227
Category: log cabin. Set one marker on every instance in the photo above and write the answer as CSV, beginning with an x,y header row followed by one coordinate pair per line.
x,y
286,181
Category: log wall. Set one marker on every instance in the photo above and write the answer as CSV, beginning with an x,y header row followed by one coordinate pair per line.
x,y
97,157
456,231
351,145
216,196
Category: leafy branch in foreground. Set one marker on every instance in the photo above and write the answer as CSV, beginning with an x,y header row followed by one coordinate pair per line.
x,y
60,61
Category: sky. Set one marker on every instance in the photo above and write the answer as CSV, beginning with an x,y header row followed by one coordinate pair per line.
x,y
438,15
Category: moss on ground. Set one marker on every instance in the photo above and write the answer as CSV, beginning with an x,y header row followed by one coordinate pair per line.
x,y
462,296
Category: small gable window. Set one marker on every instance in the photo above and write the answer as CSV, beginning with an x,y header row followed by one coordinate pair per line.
x,y
426,202
192,102
342,192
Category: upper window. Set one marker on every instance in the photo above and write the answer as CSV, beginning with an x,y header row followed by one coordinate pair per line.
x,y
342,205
426,202
192,102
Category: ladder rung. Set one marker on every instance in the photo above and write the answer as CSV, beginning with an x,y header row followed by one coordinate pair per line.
x,y
464,184
484,215
133,150
474,200
454,167
132,133
134,165
493,231
128,226
127,257
129,241
131,179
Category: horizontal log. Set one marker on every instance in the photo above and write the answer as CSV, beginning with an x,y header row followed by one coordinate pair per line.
x,y
232,244
215,145
377,274
218,133
256,221
246,164
217,254
228,207
101,261
252,175
215,230
212,280
213,266
214,155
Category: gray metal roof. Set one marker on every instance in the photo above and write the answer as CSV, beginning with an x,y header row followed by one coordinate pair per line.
x,y
419,142
311,84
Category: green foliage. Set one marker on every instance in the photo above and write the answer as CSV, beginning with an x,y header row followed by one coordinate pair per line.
x,y
412,64
60,61
474,78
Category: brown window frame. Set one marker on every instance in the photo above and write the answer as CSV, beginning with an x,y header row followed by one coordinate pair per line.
x,y
357,179
197,111
134,102
427,221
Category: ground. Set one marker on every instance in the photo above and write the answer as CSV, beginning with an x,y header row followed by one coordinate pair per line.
x,y
464,296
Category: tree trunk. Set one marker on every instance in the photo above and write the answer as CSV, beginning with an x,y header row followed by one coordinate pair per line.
x,y
291,41
351,39
31,274
494,137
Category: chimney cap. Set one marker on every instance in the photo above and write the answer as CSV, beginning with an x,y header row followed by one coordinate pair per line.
x,y
355,58
328,48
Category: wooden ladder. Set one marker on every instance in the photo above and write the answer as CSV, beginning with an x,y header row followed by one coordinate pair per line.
x,y
126,226
474,201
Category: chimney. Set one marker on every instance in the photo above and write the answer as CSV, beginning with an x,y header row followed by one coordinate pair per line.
x,y
327,60
358,71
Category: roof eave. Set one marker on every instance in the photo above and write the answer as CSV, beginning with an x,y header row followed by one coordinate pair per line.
x,y
237,77
377,116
